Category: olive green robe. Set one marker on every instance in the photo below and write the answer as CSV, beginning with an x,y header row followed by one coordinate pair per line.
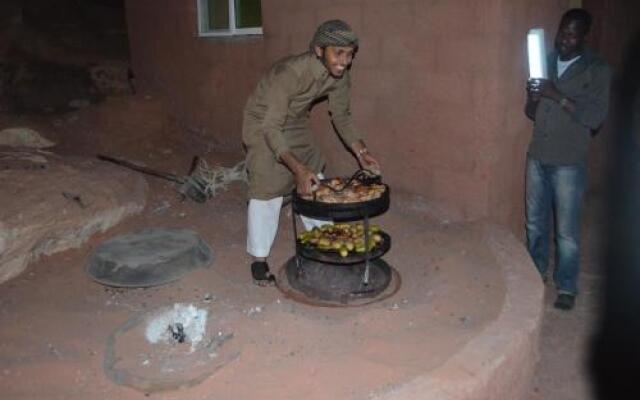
x,y
276,120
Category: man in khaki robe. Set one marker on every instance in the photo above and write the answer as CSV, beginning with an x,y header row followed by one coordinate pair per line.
x,y
277,135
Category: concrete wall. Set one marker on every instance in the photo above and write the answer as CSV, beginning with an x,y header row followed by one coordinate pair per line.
x,y
206,80
438,86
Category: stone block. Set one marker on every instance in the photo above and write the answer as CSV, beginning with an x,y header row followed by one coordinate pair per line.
x,y
48,210
23,137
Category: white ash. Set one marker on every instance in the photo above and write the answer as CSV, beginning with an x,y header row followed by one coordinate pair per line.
x,y
192,319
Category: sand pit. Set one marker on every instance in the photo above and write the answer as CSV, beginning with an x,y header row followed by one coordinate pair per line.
x,y
455,329
463,324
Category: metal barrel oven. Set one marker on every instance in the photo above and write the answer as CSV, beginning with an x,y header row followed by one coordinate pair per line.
x,y
327,276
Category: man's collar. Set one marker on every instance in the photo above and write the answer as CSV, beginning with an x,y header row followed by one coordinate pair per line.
x,y
318,69
570,61
585,57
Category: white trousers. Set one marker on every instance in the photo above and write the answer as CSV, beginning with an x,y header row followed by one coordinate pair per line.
x,y
262,225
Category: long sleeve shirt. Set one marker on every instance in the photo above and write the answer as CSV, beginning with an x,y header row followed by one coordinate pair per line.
x,y
285,95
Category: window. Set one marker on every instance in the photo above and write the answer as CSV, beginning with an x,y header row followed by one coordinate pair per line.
x,y
229,17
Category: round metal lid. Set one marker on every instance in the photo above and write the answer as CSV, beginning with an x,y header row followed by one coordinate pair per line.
x,y
149,257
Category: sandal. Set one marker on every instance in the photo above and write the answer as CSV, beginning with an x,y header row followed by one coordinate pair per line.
x,y
261,275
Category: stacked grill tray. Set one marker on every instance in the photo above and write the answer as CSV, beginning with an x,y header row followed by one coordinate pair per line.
x,y
341,212
306,255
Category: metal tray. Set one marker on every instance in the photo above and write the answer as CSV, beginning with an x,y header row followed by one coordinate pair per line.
x,y
341,211
333,257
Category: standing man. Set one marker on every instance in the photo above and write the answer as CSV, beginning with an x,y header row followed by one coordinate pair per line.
x,y
566,109
281,155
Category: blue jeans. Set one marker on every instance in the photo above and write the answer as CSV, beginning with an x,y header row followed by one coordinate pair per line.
x,y
557,189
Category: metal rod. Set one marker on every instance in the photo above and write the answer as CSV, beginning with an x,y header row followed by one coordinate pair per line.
x,y
144,170
365,278
295,235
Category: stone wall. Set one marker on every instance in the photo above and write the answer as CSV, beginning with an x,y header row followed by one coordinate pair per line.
x,y
438,86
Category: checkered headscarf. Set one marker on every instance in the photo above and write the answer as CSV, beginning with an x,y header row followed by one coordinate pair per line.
x,y
334,33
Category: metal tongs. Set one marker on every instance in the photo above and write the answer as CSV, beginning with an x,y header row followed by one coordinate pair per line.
x,y
365,176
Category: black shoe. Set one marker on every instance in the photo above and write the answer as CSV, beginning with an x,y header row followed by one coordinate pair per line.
x,y
565,301
261,275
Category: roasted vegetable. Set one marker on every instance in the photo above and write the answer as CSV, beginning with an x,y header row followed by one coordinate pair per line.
x,y
342,238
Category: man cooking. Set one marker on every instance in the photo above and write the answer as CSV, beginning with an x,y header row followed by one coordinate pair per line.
x,y
277,136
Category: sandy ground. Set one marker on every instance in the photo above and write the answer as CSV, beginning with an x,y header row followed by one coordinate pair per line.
x,y
562,373
56,321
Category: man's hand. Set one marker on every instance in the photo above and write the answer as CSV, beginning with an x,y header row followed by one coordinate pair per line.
x,y
533,90
549,89
533,93
306,181
537,88
543,88
365,159
534,97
